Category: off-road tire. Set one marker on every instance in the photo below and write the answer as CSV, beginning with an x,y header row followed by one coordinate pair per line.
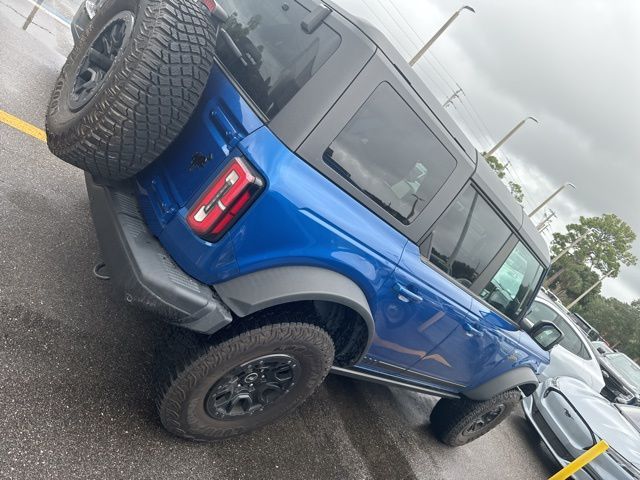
x,y
147,95
451,419
190,366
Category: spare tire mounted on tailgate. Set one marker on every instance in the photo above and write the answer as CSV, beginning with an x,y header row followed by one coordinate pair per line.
x,y
130,84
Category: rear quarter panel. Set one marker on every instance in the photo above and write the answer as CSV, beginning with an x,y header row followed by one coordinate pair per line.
x,y
304,219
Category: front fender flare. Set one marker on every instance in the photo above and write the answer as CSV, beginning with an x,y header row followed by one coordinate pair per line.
x,y
518,377
256,291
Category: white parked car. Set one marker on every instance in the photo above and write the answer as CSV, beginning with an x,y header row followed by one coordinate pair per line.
x,y
574,356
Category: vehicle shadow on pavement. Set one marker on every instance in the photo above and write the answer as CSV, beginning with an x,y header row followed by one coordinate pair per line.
x,y
366,428
535,443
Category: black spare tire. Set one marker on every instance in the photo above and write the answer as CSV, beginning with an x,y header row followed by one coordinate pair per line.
x,y
130,84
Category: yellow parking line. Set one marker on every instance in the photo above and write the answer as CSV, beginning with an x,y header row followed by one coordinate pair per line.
x,y
23,126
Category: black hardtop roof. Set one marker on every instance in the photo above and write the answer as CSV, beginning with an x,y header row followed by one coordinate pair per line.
x,y
484,176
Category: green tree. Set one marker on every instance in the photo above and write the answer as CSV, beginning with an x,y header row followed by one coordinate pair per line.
x,y
516,191
606,246
501,170
575,280
497,166
617,322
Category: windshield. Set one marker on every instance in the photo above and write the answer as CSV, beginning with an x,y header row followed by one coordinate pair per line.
x,y
627,367
265,49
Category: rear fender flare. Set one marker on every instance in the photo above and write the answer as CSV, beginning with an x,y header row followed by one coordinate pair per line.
x,y
257,291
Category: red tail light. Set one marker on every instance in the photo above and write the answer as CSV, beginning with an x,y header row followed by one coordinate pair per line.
x,y
230,194
210,4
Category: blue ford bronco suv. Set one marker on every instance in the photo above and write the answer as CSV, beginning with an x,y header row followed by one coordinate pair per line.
x,y
271,177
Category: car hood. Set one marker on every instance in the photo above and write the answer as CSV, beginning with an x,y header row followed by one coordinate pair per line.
x,y
603,417
566,364
606,363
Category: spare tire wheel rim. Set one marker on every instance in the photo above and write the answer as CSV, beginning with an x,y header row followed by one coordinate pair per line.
x,y
252,387
100,58
484,420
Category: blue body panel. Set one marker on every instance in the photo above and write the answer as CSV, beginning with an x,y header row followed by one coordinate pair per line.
x,y
448,339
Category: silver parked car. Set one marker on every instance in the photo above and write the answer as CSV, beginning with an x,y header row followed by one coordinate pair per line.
x,y
574,356
570,417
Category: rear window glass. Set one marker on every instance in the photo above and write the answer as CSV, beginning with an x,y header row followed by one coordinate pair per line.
x,y
263,46
388,153
467,237
512,288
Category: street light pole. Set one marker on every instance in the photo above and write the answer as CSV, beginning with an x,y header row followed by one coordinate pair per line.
x,y
575,302
426,47
508,136
551,197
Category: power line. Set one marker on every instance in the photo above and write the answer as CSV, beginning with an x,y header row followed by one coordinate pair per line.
x,y
434,83
483,126
489,136
419,37
416,45
474,121
477,123
443,67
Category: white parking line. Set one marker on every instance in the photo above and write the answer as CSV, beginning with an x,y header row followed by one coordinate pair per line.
x,y
54,15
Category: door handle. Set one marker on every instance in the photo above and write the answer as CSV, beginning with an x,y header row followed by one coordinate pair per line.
x,y
469,328
405,295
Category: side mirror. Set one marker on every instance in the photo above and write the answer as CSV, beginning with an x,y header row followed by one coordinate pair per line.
x,y
546,334
601,350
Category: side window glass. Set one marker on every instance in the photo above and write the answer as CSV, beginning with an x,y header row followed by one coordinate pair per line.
x,y
571,341
467,237
541,313
388,153
511,289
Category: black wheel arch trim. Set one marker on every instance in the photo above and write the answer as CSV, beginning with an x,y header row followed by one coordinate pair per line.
x,y
266,288
521,377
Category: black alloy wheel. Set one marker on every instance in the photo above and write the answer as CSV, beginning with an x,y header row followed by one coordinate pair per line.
x,y
252,387
99,59
483,422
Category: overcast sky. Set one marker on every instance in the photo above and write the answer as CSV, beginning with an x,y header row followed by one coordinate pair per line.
x,y
573,64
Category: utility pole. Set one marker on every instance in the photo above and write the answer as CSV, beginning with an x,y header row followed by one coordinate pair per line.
x,y
424,49
550,197
568,249
575,302
456,94
508,136
543,224
545,228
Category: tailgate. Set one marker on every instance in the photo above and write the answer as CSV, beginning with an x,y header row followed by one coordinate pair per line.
x,y
219,122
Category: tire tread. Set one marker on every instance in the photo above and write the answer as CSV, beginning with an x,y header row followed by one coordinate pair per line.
x,y
148,101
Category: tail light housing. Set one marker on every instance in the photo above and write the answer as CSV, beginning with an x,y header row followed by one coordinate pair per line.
x,y
226,199
216,10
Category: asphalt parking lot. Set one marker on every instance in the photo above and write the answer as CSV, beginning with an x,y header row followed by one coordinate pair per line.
x,y
75,363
